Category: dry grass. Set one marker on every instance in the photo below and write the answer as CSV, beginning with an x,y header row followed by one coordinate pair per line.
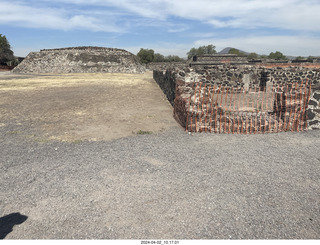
x,y
38,81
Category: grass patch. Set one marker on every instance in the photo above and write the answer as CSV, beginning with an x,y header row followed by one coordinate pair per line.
x,y
13,132
141,132
77,142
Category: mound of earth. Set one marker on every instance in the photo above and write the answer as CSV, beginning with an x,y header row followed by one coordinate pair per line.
x,y
80,60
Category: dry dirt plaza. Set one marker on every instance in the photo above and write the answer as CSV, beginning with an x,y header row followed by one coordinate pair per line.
x,y
87,106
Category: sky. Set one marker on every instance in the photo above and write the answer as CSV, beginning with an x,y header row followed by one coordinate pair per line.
x,y
169,27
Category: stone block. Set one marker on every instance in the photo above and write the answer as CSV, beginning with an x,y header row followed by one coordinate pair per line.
x,y
313,122
180,82
316,111
313,103
317,96
310,114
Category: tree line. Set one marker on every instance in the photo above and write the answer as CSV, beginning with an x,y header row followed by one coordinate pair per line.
x,y
148,55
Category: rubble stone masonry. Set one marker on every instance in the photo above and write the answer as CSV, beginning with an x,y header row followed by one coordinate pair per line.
x,y
80,60
179,84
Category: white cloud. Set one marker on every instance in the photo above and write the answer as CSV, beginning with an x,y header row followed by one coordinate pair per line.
x,y
284,14
18,14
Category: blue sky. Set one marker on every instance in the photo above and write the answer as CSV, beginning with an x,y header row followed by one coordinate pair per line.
x,y
166,26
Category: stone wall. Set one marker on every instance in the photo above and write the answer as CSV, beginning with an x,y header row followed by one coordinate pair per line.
x,y
180,85
231,75
167,82
165,65
218,59
80,60
284,75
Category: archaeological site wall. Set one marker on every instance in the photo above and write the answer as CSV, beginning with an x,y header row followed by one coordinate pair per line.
x,y
243,98
80,60
165,65
217,59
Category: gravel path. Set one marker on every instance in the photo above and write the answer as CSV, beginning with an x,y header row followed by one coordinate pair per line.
x,y
169,185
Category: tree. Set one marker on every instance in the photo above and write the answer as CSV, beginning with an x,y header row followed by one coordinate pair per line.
x,y
210,49
173,58
277,56
192,52
253,56
146,55
158,58
263,56
6,54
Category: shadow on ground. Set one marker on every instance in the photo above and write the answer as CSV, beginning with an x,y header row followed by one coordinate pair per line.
x,y
9,221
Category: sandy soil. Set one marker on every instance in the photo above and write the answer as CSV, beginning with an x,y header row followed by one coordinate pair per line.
x,y
74,107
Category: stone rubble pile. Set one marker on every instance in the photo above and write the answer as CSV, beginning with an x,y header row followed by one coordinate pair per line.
x,y
80,60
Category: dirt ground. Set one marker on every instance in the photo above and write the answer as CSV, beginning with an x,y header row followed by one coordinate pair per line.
x,y
76,107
